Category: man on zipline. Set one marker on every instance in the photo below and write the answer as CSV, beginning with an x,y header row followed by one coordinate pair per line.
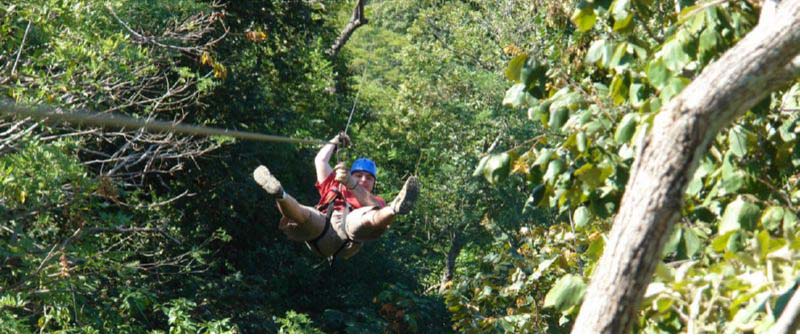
x,y
347,213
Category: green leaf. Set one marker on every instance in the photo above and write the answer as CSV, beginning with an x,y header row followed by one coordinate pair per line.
x,y
673,87
719,243
536,196
515,66
739,214
516,96
772,218
692,242
675,57
709,39
584,18
620,25
580,141
593,176
744,316
671,246
637,95
545,155
582,217
619,89
554,168
789,221
763,239
737,140
558,117
566,293
600,52
787,130
620,9
657,73
626,128
783,300
543,266
497,168
620,59
595,249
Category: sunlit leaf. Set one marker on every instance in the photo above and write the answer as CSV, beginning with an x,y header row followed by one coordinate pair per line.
x,y
514,67
582,217
739,214
584,18
567,292
625,128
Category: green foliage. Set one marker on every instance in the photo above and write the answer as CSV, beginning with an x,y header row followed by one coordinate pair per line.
x,y
294,323
521,173
179,318
633,56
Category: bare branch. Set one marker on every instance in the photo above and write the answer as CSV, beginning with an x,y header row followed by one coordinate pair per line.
x,y
356,20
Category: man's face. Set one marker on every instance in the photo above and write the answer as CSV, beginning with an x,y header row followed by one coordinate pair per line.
x,y
365,180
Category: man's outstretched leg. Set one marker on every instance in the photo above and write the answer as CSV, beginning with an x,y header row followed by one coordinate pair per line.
x,y
377,221
304,223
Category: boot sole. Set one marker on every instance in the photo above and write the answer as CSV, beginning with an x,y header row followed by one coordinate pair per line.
x,y
265,179
408,196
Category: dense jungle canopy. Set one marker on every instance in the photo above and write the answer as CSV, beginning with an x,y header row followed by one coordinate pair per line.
x,y
535,127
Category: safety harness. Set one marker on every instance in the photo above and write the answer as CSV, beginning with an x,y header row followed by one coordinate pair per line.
x,y
313,243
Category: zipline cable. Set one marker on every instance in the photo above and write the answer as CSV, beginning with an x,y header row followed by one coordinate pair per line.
x,y
355,101
352,110
107,120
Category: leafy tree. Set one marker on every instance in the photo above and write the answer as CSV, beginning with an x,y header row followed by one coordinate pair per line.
x,y
632,58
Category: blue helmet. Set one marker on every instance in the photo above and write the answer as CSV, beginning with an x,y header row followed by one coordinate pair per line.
x,y
364,165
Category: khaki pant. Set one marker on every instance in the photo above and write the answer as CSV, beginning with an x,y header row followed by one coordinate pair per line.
x,y
336,235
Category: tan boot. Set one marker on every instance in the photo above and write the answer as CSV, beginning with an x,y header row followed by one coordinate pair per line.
x,y
265,179
404,202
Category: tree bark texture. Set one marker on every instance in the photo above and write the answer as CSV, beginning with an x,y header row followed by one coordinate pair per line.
x,y
787,323
356,20
665,162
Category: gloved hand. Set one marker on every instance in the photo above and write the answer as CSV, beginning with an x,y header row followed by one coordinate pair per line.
x,y
341,140
343,176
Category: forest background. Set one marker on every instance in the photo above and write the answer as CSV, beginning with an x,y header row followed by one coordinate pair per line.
x,y
521,118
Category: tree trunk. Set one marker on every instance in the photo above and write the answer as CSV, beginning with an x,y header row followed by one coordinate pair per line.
x,y
450,263
788,321
356,20
681,134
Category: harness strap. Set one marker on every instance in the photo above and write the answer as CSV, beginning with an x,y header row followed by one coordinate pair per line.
x,y
329,214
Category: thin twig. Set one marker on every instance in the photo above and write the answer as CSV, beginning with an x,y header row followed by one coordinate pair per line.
x,y
21,46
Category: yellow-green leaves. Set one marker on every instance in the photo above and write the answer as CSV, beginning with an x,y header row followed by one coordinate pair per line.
x,y
626,128
583,17
739,214
581,217
554,168
494,167
620,11
566,293
516,96
600,52
530,77
514,67
558,116
772,217
737,139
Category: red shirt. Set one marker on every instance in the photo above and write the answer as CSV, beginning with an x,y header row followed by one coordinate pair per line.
x,y
326,193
